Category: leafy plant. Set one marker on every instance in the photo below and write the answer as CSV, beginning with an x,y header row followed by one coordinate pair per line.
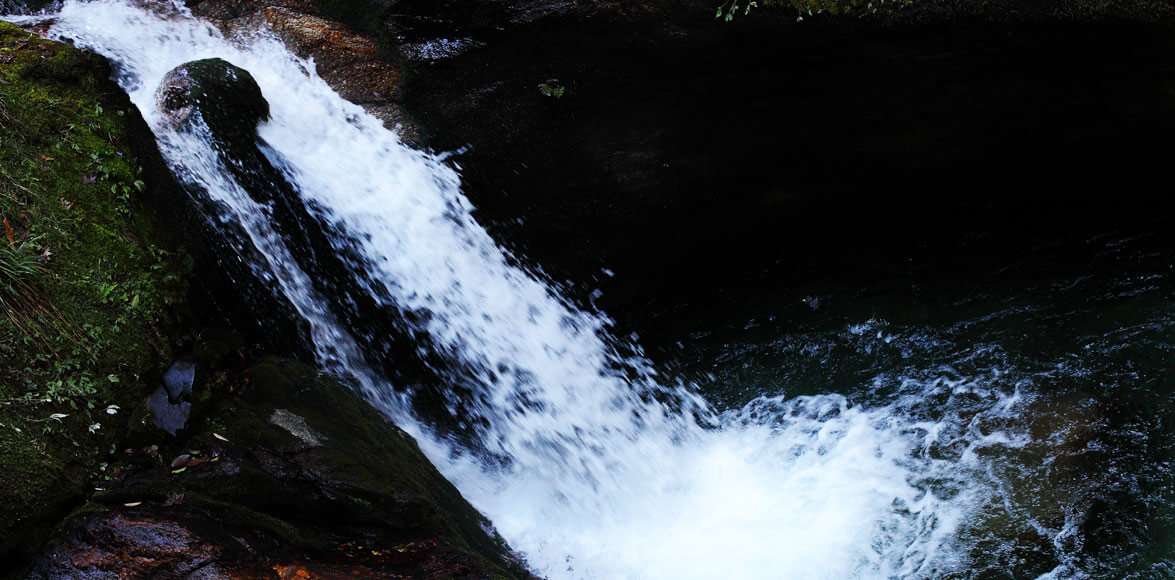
x,y
552,88
730,8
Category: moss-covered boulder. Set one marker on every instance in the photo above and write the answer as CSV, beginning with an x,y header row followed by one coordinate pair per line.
x,y
286,471
89,288
222,95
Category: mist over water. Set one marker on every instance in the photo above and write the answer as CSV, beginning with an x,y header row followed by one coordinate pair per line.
x,y
601,468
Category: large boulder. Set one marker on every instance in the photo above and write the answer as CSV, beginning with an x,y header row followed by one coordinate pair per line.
x,y
224,96
285,471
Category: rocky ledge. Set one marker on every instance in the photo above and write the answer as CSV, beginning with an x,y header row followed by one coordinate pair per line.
x,y
280,473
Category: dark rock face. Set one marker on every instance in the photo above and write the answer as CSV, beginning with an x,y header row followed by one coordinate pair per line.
x,y
766,151
228,284
287,471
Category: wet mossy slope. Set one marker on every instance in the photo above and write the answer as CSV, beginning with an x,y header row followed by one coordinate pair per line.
x,y
87,290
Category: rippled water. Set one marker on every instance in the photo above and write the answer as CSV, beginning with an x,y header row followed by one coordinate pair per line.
x,y
1082,333
992,431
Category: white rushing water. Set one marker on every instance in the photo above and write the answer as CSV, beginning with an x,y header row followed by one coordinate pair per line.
x,y
601,479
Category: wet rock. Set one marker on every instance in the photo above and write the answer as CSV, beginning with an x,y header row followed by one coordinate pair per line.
x,y
170,405
354,64
350,62
306,477
168,415
131,544
231,103
179,379
222,95
296,426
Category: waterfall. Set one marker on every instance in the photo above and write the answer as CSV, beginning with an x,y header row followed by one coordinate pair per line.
x,y
602,468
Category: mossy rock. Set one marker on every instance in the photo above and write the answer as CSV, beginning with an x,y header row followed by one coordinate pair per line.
x,y
301,469
224,96
88,327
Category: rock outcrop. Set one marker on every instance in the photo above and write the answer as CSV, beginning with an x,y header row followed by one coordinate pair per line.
x,y
669,145
286,473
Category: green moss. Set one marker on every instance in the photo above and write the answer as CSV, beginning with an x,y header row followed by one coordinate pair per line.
x,y
92,332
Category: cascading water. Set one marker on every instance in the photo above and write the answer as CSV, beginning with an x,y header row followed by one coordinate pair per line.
x,y
601,470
